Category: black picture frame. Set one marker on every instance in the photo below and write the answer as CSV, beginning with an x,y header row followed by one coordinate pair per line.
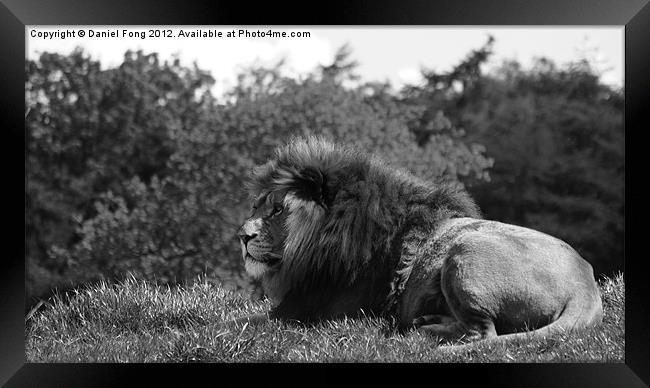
x,y
16,14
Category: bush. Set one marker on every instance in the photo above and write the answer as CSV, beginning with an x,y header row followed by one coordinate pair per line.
x,y
90,131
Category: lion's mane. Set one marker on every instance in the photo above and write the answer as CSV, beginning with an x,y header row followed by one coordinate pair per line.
x,y
345,230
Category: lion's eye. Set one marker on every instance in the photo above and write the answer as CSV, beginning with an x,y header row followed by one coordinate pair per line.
x,y
277,208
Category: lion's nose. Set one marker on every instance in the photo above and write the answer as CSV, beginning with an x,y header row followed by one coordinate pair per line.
x,y
245,238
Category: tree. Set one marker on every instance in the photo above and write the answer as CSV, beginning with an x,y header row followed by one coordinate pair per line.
x,y
556,135
89,131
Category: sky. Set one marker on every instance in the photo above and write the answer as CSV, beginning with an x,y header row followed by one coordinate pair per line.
x,y
394,54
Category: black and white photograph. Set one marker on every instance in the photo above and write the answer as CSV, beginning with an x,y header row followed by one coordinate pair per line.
x,y
324,194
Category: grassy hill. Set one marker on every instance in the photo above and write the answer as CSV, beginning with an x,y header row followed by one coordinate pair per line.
x,y
135,321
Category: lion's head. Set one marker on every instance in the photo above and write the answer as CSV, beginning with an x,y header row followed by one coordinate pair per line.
x,y
325,226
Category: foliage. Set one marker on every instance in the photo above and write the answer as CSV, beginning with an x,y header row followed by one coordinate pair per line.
x,y
557,138
136,321
90,131
269,109
139,169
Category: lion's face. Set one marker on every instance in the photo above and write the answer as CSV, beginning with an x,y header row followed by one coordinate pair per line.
x,y
263,235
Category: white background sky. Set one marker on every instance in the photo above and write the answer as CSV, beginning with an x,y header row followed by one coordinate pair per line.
x,y
395,54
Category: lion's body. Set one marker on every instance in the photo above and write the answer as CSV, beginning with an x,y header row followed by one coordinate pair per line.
x,y
335,232
492,278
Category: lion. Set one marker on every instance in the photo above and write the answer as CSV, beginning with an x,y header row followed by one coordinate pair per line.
x,y
334,232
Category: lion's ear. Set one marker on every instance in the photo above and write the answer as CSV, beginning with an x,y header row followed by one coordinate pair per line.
x,y
311,185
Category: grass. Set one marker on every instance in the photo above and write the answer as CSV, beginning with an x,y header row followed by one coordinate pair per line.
x,y
135,321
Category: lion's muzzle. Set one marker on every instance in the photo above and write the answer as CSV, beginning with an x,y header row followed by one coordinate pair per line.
x,y
252,240
249,230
